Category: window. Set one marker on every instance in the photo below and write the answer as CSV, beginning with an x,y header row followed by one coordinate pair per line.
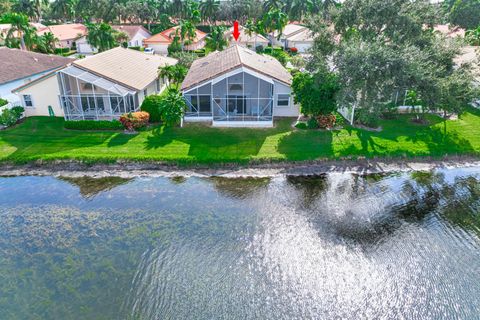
x,y
27,99
158,85
145,92
283,100
235,87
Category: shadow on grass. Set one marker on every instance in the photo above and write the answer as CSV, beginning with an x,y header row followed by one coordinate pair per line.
x,y
120,139
306,145
38,137
207,143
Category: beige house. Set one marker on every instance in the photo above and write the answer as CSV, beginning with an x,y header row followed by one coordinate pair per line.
x,y
252,40
67,34
100,87
238,88
162,40
294,36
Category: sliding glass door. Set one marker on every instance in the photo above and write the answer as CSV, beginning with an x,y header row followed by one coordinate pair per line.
x,y
236,104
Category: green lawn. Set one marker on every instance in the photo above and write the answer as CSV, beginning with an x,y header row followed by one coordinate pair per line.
x,y
46,139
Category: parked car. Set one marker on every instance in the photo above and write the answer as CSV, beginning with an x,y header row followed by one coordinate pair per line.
x,y
149,51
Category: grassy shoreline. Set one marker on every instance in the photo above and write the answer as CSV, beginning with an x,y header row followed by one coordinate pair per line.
x,y
43,140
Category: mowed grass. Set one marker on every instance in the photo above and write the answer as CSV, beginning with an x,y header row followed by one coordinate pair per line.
x,y
43,138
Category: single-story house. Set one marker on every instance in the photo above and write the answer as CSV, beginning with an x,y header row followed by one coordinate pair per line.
x,y
237,87
294,36
99,87
18,67
136,34
245,40
71,36
162,40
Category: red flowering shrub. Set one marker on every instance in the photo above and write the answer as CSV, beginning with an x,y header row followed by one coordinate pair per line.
x,y
293,50
326,121
134,120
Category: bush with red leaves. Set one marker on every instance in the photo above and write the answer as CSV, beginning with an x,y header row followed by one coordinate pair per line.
x,y
134,120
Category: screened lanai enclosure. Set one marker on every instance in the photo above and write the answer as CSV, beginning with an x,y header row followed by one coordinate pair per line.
x,y
239,97
86,96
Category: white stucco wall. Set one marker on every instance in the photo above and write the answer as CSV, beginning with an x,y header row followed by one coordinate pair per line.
x,y
151,89
83,47
6,88
137,40
44,93
283,111
159,48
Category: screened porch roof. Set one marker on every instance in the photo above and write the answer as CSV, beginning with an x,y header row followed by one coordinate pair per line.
x,y
96,80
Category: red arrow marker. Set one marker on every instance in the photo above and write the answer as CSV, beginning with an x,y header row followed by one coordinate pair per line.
x,y
236,32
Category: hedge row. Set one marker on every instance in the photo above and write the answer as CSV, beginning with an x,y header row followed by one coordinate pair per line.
x,y
93,125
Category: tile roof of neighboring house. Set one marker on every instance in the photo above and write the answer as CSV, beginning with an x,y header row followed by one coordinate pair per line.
x,y
167,36
218,63
244,37
65,32
449,31
17,64
304,35
128,67
291,29
131,31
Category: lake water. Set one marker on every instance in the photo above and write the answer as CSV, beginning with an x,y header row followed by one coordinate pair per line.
x,y
335,246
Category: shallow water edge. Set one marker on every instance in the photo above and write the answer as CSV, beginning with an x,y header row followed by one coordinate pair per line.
x,y
128,169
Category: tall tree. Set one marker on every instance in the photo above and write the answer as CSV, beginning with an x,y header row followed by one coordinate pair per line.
x,y
38,8
209,9
216,39
20,29
101,36
64,9
274,20
466,13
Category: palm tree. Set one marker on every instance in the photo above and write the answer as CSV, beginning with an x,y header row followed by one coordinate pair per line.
x,y
274,20
38,8
186,31
269,5
101,36
46,43
64,9
297,9
216,39
173,73
26,7
19,28
209,9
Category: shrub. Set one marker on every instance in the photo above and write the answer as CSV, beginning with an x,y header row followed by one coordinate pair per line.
x,y
8,118
339,119
175,46
135,48
18,111
301,125
134,120
293,50
172,107
259,49
151,105
61,50
312,123
326,121
93,125
3,102
185,58
268,50
366,118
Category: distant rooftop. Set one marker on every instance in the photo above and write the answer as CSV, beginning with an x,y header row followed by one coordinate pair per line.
x,y
65,32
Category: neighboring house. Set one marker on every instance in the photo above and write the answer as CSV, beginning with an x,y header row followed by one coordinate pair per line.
x,y
136,34
71,36
18,67
100,87
449,30
162,40
237,87
294,36
250,41
5,27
